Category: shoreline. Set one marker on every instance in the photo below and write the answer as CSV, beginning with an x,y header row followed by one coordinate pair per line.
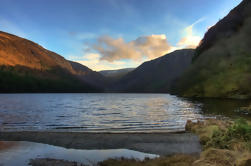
x,y
154,143
97,132
205,143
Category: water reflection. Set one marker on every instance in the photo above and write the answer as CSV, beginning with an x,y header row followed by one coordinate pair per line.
x,y
223,107
19,153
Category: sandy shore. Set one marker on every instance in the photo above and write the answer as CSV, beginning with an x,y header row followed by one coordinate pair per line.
x,y
154,143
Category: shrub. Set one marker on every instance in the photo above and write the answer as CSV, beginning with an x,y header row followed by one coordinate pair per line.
x,y
239,132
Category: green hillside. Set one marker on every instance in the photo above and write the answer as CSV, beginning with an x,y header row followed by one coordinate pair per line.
x,y
222,64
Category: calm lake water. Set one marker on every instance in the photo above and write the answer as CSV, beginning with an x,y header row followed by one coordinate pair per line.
x,y
22,152
107,112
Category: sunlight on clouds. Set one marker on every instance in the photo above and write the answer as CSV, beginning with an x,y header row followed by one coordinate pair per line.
x,y
162,36
148,47
115,49
144,47
92,60
92,57
190,40
115,53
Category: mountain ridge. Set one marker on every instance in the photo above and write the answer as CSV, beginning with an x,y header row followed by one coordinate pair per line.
x,y
222,65
155,75
25,64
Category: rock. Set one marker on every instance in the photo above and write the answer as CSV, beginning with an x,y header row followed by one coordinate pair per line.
x,y
189,125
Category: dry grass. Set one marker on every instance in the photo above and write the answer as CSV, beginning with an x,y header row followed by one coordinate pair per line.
x,y
175,160
225,143
235,152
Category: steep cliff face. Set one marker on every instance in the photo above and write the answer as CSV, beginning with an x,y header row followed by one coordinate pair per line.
x,y
222,64
157,75
27,67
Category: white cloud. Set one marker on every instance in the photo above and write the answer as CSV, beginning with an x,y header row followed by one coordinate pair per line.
x,y
144,47
92,60
190,40
114,53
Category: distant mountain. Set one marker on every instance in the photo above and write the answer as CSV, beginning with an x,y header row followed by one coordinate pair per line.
x,y
89,76
222,63
157,75
27,67
116,74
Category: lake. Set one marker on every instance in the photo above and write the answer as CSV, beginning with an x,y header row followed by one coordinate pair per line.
x,y
22,152
107,112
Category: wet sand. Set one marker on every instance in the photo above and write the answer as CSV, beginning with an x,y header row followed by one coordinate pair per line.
x,y
4,145
154,143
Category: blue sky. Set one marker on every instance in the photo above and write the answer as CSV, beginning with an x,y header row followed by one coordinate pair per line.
x,y
112,34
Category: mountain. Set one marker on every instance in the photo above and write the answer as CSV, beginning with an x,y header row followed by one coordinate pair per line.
x,y
18,51
89,76
116,74
222,64
157,75
27,67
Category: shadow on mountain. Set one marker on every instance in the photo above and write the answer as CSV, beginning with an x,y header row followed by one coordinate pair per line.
x,y
21,79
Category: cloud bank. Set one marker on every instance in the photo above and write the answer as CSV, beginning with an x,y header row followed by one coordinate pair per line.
x,y
115,53
93,61
144,47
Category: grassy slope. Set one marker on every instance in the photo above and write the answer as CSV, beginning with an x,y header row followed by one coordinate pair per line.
x,y
223,69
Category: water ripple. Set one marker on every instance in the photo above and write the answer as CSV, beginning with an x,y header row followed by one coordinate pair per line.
x,y
96,112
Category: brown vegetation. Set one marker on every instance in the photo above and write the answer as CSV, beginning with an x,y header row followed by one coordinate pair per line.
x,y
18,51
175,160
28,67
225,143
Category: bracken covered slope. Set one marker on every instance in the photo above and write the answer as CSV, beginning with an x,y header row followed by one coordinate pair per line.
x,y
27,67
18,51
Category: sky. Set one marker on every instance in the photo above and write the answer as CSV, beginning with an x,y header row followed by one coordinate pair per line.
x,y
112,34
